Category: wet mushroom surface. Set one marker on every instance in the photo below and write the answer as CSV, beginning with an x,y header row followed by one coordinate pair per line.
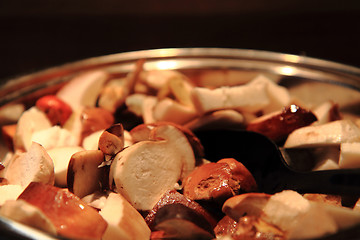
x,y
170,154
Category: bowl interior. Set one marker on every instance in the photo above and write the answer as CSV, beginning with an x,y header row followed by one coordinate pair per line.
x,y
312,81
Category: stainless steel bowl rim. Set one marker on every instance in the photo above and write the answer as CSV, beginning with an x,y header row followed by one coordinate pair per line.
x,y
238,58
244,59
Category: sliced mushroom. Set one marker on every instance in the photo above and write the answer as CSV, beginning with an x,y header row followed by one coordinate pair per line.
x,y
143,132
179,88
278,125
344,217
241,174
114,94
144,171
86,121
30,121
134,103
156,79
249,98
279,96
248,227
91,142
9,192
71,217
209,181
84,176
54,137
112,140
94,119
180,222
335,132
222,77
83,90
293,213
327,112
349,155
218,181
124,221
171,111
34,165
324,198
225,227
61,157
148,109
171,197
219,119
55,109
178,141
25,213
247,204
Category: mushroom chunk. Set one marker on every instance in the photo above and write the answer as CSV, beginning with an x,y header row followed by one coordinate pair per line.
x,y
174,197
112,140
55,109
278,125
84,176
219,181
71,217
124,222
144,171
181,222
334,133
34,165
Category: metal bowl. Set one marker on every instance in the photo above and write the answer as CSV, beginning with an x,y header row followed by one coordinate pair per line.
x,y
277,64
311,80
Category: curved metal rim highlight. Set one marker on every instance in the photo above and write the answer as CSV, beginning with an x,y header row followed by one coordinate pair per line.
x,y
205,52
174,53
13,88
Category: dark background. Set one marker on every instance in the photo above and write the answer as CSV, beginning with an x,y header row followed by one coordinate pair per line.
x,y
41,33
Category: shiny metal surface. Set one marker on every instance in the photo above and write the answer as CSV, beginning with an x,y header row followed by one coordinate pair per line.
x,y
283,66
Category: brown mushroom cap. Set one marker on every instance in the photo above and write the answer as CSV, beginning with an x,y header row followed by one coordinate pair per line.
x,y
173,196
242,174
278,125
218,181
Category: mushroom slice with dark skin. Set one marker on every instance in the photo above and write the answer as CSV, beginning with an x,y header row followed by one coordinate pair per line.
x,y
277,126
84,176
144,171
219,181
88,120
172,197
142,132
112,140
55,109
71,217
180,222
